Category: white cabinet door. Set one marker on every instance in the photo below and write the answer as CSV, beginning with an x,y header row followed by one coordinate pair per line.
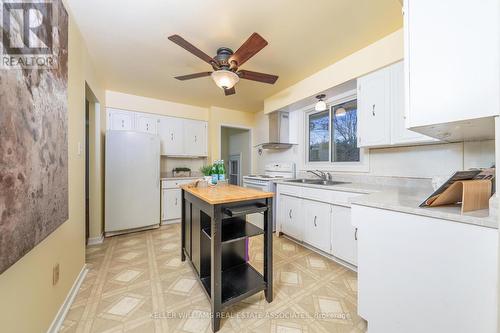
x,y
344,235
399,133
374,109
163,205
120,120
146,123
172,204
170,130
452,66
317,224
293,220
195,137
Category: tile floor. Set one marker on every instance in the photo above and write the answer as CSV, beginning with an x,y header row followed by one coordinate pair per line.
x,y
137,283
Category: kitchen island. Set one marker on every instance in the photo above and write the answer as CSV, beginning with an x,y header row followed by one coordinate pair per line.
x,y
214,239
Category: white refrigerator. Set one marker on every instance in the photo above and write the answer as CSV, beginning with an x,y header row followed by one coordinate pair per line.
x,y
132,181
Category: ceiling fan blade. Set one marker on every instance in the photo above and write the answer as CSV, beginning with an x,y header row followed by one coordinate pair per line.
x,y
250,47
191,48
193,76
256,76
230,91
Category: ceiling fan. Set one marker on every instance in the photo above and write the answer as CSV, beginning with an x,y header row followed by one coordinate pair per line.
x,y
226,63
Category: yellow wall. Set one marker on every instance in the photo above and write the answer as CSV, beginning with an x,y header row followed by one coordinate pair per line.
x,y
157,106
384,52
221,116
28,301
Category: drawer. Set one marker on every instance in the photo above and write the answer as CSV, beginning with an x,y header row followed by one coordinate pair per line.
x,y
317,194
175,183
290,190
343,198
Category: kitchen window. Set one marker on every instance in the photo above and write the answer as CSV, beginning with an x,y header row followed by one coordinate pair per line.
x,y
332,134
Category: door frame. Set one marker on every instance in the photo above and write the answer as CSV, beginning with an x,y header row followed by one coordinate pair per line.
x,y
250,141
96,168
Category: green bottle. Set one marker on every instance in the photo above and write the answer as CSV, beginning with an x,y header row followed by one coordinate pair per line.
x,y
222,172
215,173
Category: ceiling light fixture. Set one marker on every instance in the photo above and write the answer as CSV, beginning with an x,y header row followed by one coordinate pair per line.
x,y
321,104
225,79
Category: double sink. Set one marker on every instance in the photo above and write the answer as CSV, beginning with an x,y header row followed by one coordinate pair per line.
x,y
316,181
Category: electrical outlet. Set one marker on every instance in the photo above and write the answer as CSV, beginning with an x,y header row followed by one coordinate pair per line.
x,y
55,274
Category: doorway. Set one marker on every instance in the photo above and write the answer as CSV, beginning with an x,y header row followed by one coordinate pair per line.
x,y
235,151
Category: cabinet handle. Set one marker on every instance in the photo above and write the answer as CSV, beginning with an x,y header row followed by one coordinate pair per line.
x,y
290,213
147,127
176,201
315,218
123,123
172,136
373,109
195,138
356,234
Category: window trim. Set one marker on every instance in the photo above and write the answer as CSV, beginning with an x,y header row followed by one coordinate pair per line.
x,y
362,166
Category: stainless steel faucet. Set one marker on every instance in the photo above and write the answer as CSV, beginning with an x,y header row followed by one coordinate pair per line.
x,y
321,174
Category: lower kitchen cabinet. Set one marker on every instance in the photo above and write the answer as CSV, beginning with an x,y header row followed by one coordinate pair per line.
x,y
317,224
290,216
411,267
344,235
319,218
171,208
172,204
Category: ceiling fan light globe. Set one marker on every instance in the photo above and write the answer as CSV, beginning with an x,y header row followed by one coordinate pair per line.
x,y
320,106
225,79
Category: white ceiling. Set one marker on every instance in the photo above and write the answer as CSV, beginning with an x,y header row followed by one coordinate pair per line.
x,y
128,42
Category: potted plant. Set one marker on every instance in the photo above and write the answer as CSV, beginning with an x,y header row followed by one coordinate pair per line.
x,y
206,170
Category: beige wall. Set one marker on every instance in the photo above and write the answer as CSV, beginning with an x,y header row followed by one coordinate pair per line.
x,y
28,301
386,51
221,116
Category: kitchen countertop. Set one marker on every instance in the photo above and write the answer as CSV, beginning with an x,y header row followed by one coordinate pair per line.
x,y
407,200
169,176
215,195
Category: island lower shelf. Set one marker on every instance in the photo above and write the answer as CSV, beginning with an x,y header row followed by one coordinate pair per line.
x,y
238,283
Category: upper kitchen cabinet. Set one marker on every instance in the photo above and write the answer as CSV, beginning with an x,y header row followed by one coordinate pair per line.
x,y
183,137
452,67
382,118
195,137
120,120
146,123
374,109
400,135
170,131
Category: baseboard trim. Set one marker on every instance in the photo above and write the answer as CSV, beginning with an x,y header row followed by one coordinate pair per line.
x,y
95,240
173,221
63,310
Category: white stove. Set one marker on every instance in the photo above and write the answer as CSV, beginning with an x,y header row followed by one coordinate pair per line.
x,y
266,182
273,171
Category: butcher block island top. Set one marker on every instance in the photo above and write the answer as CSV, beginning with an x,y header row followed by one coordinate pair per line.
x,y
215,195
